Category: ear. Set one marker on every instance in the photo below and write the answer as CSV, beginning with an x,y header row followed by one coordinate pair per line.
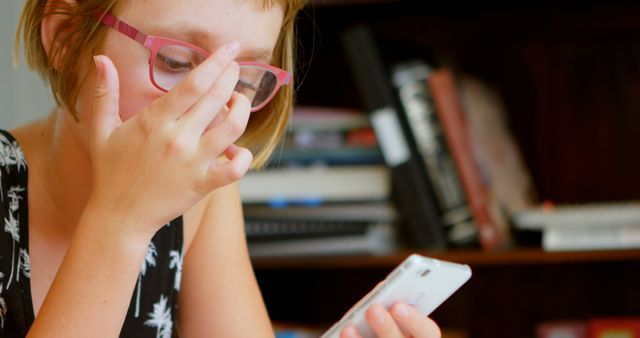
x,y
50,27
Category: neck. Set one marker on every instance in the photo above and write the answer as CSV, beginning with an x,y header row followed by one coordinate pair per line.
x,y
60,171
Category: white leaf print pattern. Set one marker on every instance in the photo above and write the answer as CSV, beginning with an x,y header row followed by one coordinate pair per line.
x,y
3,304
176,263
12,227
10,154
149,258
161,319
25,263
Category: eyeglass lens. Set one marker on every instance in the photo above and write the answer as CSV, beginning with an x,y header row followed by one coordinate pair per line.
x,y
173,62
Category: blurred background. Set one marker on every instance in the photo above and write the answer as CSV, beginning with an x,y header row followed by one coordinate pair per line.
x,y
23,95
521,130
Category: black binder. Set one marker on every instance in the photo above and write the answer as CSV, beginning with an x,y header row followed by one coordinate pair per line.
x,y
412,190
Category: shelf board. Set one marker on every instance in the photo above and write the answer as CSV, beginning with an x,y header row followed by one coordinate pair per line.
x,y
472,257
338,3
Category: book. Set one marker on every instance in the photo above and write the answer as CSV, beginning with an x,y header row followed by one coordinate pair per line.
x,y
497,154
565,329
329,136
616,327
583,226
411,188
327,118
345,155
410,80
314,238
597,327
492,225
297,333
580,238
316,184
325,229
592,214
330,147
382,211
290,330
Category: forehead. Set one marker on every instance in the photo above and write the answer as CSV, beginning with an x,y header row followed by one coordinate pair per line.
x,y
209,23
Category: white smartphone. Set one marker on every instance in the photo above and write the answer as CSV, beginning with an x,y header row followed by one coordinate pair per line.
x,y
422,282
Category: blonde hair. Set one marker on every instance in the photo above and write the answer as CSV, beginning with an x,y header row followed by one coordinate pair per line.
x,y
80,37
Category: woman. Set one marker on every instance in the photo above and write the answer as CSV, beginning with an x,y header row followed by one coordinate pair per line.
x,y
129,196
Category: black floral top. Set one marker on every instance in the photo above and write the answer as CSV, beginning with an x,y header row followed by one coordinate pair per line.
x,y
153,305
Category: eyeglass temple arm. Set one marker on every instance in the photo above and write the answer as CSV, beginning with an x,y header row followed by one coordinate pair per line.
x,y
124,28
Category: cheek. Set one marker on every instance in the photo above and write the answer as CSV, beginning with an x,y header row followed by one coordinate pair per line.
x,y
131,60
135,95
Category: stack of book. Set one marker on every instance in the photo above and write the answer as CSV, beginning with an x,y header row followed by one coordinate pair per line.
x,y
326,191
586,226
611,327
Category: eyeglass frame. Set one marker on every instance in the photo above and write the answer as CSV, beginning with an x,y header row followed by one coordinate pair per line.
x,y
154,43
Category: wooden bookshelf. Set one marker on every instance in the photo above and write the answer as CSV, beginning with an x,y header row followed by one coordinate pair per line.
x,y
569,74
508,295
475,258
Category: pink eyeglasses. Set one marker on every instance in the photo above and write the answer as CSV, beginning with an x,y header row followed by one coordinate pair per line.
x,y
171,60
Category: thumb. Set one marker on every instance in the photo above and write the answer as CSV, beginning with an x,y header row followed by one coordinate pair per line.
x,y
106,117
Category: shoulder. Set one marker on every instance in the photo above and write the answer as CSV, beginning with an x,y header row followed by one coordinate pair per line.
x,y
225,200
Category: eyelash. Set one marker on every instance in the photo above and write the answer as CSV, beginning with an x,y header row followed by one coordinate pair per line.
x,y
171,63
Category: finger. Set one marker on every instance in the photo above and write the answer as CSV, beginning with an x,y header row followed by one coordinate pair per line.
x,y
224,112
227,131
198,82
222,174
413,322
350,332
231,151
382,323
213,102
106,100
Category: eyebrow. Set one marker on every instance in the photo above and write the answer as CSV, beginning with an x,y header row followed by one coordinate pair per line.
x,y
189,33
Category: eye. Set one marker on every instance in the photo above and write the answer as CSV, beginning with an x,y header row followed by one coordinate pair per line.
x,y
169,64
245,85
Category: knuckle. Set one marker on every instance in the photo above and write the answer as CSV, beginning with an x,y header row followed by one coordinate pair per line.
x,y
176,145
219,94
233,71
196,86
236,172
146,123
202,186
220,61
100,92
235,128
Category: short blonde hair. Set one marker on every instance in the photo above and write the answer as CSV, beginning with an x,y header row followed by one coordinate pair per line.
x,y
80,37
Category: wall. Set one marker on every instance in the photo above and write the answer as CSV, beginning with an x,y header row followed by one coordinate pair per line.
x,y
23,96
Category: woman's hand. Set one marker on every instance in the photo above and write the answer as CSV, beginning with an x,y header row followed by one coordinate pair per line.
x,y
402,321
159,163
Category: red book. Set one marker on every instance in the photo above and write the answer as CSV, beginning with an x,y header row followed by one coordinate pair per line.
x,y
614,328
562,330
492,227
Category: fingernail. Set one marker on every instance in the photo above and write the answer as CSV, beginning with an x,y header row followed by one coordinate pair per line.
x,y
233,47
402,310
99,67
